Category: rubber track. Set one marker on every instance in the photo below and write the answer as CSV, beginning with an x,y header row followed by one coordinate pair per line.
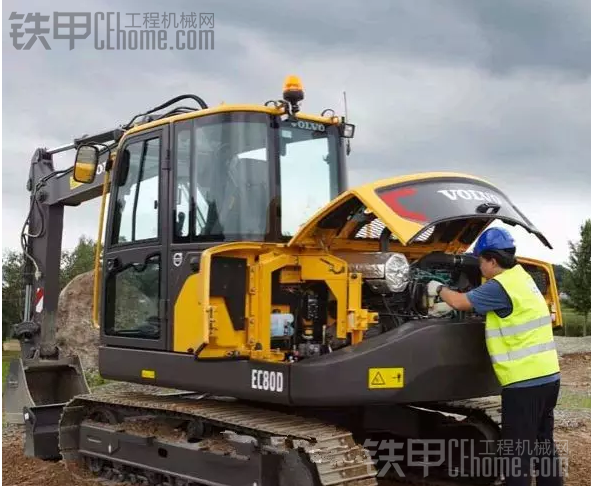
x,y
338,459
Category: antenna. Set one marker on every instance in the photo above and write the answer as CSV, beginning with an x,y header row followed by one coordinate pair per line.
x,y
346,120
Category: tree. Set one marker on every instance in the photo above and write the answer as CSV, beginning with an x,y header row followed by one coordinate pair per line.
x,y
79,260
559,272
73,263
578,279
12,291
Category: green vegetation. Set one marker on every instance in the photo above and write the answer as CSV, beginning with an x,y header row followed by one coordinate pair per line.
x,y
94,379
559,272
573,400
73,263
7,356
577,281
572,322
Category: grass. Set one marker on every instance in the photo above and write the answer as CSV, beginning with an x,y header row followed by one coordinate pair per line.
x,y
573,322
573,400
94,379
7,356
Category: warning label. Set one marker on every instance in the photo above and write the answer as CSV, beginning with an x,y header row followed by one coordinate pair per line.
x,y
386,378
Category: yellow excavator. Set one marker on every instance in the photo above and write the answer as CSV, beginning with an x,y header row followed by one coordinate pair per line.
x,y
282,316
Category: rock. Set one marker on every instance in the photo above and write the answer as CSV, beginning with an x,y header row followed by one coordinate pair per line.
x,y
75,332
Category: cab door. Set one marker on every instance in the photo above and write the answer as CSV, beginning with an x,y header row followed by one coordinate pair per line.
x,y
135,267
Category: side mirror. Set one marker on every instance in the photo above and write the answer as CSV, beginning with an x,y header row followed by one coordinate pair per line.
x,y
87,157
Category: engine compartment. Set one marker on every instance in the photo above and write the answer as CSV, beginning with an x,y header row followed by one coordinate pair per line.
x,y
303,315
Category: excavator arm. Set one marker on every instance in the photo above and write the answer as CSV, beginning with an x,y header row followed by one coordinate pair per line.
x,y
42,380
41,239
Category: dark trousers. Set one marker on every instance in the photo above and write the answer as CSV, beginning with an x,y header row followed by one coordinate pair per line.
x,y
528,435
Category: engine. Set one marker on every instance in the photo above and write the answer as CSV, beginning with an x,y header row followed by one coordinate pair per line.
x,y
397,288
393,286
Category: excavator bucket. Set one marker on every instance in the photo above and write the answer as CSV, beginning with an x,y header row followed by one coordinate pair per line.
x,y
36,390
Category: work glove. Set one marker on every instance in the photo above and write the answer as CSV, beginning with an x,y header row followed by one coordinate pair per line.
x,y
435,306
432,287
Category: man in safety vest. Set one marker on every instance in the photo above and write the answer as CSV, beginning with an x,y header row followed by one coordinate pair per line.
x,y
521,346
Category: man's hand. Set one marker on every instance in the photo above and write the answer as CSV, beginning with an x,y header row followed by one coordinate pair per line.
x,y
432,288
436,307
457,300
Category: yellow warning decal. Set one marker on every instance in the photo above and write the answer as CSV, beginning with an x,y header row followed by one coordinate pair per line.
x,y
148,374
385,378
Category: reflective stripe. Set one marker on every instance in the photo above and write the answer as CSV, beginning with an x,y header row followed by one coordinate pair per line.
x,y
522,353
512,330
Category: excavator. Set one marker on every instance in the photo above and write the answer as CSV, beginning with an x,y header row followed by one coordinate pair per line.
x,y
272,325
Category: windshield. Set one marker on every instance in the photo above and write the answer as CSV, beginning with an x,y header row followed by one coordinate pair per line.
x,y
225,167
309,172
223,189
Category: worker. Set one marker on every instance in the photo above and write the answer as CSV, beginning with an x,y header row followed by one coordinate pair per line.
x,y
520,342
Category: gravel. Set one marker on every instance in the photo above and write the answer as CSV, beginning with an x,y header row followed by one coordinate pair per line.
x,y
570,345
571,419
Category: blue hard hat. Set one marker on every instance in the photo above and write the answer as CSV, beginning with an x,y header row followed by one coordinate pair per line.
x,y
494,239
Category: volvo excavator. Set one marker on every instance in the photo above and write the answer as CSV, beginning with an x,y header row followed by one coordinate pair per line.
x,y
280,317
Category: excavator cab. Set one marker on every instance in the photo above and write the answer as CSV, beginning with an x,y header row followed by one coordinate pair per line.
x,y
181,185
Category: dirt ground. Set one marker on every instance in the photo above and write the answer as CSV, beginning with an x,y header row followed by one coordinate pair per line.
x,y
573,423
572,430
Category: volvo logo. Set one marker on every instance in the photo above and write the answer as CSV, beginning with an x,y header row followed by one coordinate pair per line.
x,y
308,125
470,195
177,259
101,167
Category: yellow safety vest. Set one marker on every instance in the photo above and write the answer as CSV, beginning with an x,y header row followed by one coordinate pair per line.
x,y
521,346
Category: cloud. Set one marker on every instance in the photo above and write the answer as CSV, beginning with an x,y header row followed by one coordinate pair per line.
x,y
495,90
533,34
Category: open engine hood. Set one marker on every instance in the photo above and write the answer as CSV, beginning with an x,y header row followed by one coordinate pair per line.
x,y
424,208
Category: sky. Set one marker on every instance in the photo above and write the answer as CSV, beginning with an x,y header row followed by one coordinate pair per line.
x,y
500,90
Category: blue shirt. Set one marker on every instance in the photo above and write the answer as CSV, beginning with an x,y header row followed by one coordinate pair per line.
x,y
492,297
